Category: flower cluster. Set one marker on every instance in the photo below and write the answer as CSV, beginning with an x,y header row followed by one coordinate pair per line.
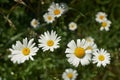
x,y
55,10
84,51
81,51
101,17
24,51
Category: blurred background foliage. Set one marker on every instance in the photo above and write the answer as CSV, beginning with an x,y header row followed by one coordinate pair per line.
x,y
15,20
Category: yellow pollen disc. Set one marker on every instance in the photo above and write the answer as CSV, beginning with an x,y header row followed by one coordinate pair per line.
x,y
70,75
26,51
101,57
35,22
49,18
57,11
79,52
50,42
104,24
101,17
72,26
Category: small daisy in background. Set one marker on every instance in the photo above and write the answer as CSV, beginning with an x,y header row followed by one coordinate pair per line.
x,y
69,74
92,46
101,57
105,25
56,9
72,26
89,39
49,41
78,53
34,23
23,51
64,6
101,16
48,17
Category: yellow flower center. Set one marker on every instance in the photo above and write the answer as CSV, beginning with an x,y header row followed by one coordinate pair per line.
x,y
72,26
57,11
35,23
101,17
101,57
104,24
79,52
49,18
25,51
50,42
70,75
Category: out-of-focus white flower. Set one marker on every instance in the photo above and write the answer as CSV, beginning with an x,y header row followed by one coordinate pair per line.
x,y
89,39
101,16
92,46
56,9
105,25
34,23
72,26
64,6
69,74
48,17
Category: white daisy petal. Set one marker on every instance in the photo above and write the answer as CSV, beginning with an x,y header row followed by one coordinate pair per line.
x,y
34,23
77,52
101,57
72,26
100,16
56,9
69,74
49,41
105,25
48,17
22,52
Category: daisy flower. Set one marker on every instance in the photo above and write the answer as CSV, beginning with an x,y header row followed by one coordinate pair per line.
x,y
92,46
48,17
78,53
89,39
105,25
100,16
64,6
101,57
72,26
23,51
49,41
34,23
69,74
56,9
